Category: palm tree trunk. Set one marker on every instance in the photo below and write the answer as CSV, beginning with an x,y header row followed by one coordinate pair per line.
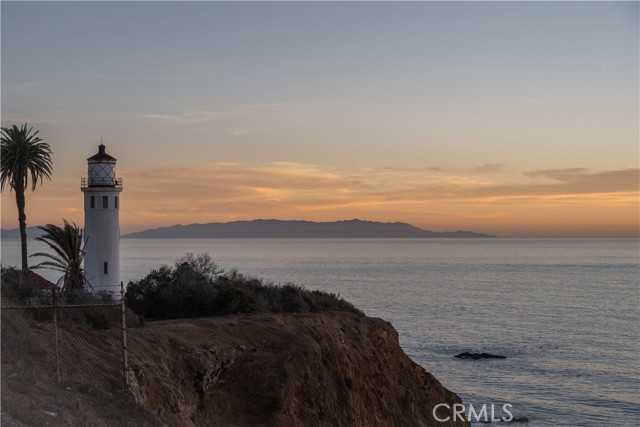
x,y
22,220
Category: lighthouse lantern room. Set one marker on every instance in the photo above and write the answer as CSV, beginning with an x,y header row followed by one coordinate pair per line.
x,y
102,191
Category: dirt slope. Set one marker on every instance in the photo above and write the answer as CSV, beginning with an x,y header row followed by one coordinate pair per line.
x,y
258,370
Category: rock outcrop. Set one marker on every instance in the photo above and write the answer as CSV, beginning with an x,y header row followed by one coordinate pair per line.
x,y
282,370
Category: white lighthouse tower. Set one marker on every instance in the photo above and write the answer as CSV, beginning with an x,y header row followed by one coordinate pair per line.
x,y
102,222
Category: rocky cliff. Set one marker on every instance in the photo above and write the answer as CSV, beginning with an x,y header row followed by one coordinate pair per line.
x,y
324,369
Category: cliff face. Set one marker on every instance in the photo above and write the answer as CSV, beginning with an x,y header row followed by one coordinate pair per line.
x,y
282,370
261,370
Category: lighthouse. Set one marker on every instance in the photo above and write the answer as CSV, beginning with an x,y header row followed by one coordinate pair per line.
x,y
102,191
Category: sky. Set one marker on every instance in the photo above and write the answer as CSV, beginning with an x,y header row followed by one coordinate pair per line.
x,y
519,119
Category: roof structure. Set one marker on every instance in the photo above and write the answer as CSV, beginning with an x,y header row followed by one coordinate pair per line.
x,y
40,281
102,156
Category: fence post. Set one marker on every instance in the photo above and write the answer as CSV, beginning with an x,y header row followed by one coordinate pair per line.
x,y
125,363
55,328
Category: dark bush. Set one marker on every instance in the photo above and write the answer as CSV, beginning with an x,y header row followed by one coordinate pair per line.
x,y
41,314
196,287
97,319
15,290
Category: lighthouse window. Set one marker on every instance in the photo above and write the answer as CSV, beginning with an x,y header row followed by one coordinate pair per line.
x,y
105,202
115,201
93,202
106,267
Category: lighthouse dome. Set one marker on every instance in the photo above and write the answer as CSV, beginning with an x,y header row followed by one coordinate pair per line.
x,y
102,169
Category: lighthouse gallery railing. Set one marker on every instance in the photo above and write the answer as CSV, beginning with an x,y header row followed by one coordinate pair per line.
x,y
108,183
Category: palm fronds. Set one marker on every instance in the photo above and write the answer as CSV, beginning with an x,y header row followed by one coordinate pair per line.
x,y
68,247
23,155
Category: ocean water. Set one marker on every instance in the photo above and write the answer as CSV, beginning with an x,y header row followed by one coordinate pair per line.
x,y
565,312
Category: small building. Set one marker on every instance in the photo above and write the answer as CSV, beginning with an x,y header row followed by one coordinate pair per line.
x,y
40,282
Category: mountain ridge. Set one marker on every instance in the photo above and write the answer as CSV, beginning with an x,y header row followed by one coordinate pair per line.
x,y
14,233
274,228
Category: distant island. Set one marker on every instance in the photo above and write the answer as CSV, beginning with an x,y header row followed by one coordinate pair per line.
x,y
14,233
273,228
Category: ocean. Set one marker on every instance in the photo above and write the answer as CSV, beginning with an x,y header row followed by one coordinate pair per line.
x,y
565,312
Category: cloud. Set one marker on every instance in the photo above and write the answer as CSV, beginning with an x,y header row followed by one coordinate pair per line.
x,y
482,168
491,72
295,184
408,169
105,76
223,182
68,210
19,86
176,72
11,119
488,168
187,118
558,174
244,131
583,181
565,183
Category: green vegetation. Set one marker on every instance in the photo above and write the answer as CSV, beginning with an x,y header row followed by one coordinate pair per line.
x,y
68,247
196,287
80,307
21,292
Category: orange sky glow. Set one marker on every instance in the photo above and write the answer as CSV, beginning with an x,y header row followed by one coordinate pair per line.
x,y
568,203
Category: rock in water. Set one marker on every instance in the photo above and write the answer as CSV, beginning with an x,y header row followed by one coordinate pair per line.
x,y
476,356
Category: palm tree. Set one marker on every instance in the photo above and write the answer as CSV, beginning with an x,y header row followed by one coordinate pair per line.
x,y
23,155
68,246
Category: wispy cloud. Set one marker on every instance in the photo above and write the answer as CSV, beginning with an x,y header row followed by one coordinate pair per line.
x,y
19,86
173,72
67,210
32,119
488,168
225,181
247,131
407,169
187,118
568,182
491,72
582,180
566,174
481,168
96,75
223,187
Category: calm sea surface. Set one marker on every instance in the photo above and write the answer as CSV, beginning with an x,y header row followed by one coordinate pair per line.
x,y
565,312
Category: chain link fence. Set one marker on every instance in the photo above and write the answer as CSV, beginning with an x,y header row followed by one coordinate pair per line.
x,y
77,337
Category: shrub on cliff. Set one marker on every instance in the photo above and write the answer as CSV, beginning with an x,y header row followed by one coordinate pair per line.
x,y
196,287
13,289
